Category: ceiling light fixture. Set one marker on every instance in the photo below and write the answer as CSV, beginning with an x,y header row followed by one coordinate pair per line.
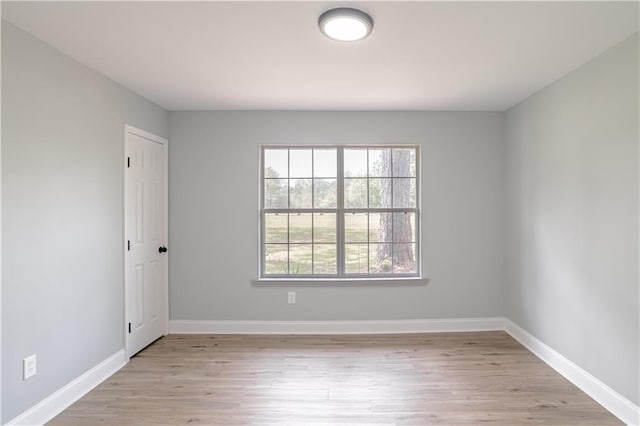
x,y
345,24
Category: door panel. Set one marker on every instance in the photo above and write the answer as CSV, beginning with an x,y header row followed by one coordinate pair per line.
x,y
145,232
139,301
154,291
139,209
153,217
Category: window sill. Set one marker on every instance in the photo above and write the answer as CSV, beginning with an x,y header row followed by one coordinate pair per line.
x,y
341,282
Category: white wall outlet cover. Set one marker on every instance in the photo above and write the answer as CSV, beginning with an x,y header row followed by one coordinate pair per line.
x,y
291,297
28,367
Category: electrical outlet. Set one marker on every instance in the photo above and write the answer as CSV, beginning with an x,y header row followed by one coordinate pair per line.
x,y
28,367
292,297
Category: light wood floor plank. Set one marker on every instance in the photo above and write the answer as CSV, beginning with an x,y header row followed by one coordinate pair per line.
x,y
409,379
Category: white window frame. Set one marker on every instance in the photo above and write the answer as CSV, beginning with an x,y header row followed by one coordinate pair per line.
x,y
340,212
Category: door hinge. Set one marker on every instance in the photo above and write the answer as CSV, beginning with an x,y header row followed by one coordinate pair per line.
x,y
128,161
128,245
129,328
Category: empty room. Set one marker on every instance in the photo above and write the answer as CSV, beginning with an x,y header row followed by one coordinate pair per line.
x,y
320,213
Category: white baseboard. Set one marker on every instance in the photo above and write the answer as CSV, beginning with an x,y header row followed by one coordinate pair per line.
x,y
336,327
55,403
617,404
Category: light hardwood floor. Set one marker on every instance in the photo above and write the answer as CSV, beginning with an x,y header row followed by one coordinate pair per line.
x,y
411,379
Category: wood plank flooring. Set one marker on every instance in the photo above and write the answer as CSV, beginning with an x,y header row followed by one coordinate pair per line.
x,y
410,379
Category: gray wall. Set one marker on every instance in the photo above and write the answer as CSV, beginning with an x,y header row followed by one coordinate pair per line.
x,y
213,161
62,162
573,217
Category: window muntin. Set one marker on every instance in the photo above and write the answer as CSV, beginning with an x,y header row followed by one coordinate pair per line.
x,y
339,211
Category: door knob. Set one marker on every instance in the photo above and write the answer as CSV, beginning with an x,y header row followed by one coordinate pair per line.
x,y
162,249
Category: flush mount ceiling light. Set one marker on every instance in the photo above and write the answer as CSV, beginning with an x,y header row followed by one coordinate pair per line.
x,y
345,24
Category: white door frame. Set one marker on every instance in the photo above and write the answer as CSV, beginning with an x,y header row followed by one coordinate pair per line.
x,y
128,129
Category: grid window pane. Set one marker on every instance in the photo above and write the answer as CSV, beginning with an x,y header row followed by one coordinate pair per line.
x,y
355,193
276,258
300,163
355,227
380,227
325,193
380,162
379,193
356,256
300,259
275,193
374,227
300,193
404,227
325,163
404,162
324,228
276,163
404,192
276,228
300,228
355,162
380,259
324,259
404,258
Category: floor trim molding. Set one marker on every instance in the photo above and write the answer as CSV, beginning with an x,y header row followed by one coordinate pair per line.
x,y
617,404
336,327
58,401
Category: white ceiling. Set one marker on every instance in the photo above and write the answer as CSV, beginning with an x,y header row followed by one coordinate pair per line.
x,y
271,55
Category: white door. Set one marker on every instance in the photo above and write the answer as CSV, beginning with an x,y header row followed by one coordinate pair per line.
x,y
145,235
